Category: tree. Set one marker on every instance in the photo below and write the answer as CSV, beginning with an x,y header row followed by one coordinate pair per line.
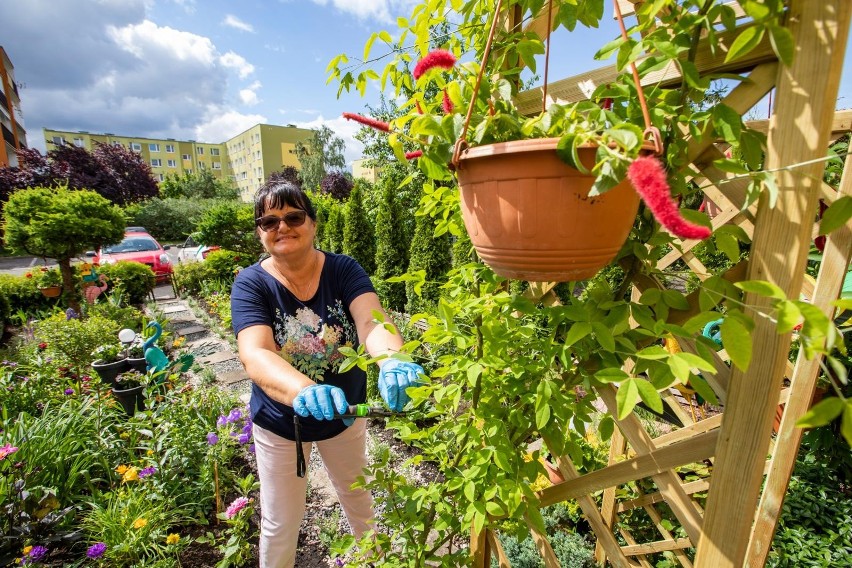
x,y
337,184
201,185
231,226
112,171
334,229
432,255
359,242
391,250
322,154
288,173
61,223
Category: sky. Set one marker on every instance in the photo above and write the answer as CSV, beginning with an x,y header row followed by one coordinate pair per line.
x,y
207,70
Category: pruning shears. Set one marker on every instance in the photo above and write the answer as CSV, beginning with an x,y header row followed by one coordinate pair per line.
x,y
354,411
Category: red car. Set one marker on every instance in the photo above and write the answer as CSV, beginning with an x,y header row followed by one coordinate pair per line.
x,y
138,247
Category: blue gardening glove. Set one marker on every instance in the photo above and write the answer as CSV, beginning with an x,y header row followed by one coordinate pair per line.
x,y
394,377
321,402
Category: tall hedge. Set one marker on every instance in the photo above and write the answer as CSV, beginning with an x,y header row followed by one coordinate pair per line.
x,y
391,251
359,240
434,256
171,219
333,233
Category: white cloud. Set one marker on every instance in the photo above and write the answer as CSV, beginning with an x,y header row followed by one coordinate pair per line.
x,y
238,62
248,96
221,124
236,23
147,39
344,129
383,10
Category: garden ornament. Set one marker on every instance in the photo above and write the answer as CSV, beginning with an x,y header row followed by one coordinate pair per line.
x,y
713,331
93,291
154,356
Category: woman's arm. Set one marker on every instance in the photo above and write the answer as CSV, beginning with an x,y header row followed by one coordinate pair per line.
x,y
266,367
376,338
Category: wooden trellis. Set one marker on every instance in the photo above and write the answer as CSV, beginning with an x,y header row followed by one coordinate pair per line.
x,y
728,533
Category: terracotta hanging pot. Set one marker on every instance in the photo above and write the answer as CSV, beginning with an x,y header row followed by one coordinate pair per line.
x,y
529,214
51,291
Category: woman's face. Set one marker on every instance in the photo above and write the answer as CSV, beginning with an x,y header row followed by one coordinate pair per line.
x,y
286,240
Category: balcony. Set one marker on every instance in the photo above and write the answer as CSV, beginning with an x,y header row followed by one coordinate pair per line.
x,y
7,135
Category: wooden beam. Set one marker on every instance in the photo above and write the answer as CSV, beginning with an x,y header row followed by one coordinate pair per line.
x,y
616,451
542,545
659,546
829,283
688,431
806,95
494,543
480,554
700,447
655,497
568,90
841,124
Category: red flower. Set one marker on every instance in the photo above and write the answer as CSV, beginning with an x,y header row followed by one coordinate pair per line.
x,y
648,177
413,155
438,58
29,275
371,122
419,108
447,104
42,346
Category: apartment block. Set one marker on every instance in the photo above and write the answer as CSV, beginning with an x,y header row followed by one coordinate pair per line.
x,y
11,118
164,155
247,158
262,150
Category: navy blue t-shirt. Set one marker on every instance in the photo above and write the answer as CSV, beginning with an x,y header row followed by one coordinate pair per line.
x,y
308,334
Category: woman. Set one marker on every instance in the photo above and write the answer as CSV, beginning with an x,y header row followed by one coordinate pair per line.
x,y
290,312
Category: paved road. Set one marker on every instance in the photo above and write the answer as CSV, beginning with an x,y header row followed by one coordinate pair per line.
x,y
23,264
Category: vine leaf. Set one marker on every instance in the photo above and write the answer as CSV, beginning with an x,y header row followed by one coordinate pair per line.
x,y
626,398
836,215
737,341
823,412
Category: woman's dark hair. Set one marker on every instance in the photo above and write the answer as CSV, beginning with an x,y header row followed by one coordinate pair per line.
x,y
276,194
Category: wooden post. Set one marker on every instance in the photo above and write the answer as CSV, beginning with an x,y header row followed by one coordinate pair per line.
x,y
804,110
835,260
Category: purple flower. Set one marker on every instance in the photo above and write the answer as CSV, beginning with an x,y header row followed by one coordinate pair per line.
x,y
147,471
235,415
251,448
96,550
35,555
212,439
247,428
222,421
238,505
69,391
71,314
244,438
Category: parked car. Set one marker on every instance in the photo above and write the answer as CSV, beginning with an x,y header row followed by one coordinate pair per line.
x,y
192,250
141,247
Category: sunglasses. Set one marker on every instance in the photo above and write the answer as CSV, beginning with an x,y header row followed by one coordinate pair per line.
x,y
292,219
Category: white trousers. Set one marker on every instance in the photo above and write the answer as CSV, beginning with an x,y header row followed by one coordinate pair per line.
x,y
283,493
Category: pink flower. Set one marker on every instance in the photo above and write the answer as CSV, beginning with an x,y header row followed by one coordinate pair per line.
x,y
648,177
413,155
238,505
447,104
366,120
438,58
6,450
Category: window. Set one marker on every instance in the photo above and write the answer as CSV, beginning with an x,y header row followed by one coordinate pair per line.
x,y
59,140
187,157
136,146
79,142
172,163
214,151
200,165
156,163
217,165
161,177
199,150
153,147
189,171
170,148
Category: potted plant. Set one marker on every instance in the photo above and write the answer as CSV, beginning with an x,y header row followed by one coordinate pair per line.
x,y
129,389
545,197
136,356
48,281
110,360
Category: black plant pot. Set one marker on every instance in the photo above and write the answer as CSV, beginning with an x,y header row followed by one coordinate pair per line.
x,y
131,399
140,364
109,371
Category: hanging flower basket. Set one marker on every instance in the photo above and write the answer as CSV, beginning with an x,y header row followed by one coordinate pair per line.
x,y
131,399
529,214
51,291
109,371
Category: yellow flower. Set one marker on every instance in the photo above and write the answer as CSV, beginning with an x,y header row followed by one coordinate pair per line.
x,y
124,435
27,550
179,341
121,469
150,452
132,474
173,538
139,523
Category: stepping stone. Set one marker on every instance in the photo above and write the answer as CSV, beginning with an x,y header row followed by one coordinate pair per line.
x,y
232,377
175,309
217,357
192,330
182,319
170,302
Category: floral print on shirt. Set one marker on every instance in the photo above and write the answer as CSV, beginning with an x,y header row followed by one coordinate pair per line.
x,y
311,345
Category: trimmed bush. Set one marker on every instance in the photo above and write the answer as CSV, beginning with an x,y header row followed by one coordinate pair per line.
x,y
134,281
169,219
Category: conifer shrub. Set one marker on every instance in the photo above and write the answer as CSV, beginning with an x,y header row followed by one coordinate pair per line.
x,y
359,241
431,254
391,252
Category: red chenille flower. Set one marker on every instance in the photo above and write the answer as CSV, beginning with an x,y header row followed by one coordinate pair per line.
x,y
413,155
648,177
438,58
419,108
447,104
366,120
